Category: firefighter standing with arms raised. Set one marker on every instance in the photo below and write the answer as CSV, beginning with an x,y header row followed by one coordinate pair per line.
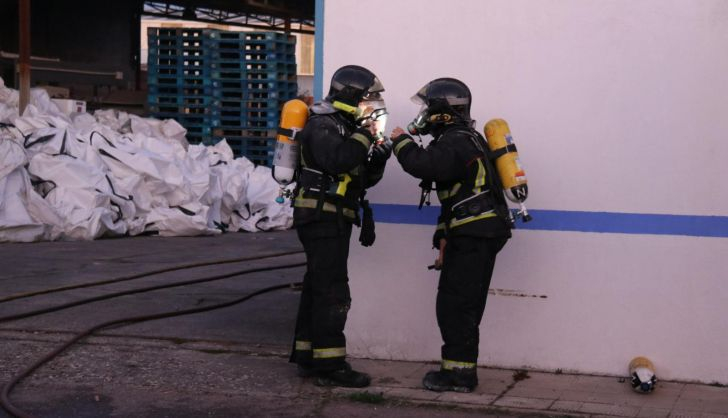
x,y
473,226
340,156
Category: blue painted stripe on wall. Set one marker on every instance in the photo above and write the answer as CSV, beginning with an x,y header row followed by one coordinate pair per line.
x,y
561,220
318,57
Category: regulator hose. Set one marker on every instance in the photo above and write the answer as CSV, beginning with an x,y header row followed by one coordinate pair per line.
x,y
5,395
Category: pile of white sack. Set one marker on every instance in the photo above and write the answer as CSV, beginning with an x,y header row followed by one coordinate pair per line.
x,y
109,174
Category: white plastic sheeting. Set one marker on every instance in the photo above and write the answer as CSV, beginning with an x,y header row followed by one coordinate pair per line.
x,y
111,174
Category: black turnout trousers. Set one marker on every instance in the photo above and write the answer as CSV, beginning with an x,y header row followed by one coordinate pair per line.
x,y
325,299
462,292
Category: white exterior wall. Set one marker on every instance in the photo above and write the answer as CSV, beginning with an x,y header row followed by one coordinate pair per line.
x,y
616,106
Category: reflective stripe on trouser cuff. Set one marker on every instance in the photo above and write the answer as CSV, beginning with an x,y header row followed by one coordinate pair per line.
x,y
302,202
329,352
401,144
362,140
450,364
303,345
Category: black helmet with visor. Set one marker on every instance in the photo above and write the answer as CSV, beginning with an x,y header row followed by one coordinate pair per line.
x,y
443,101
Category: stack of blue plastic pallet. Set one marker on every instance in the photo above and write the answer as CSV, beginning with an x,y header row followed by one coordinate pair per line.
x,y
179,80
221,84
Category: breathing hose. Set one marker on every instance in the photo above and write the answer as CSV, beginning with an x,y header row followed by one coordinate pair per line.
x,y
5,395
142,275
62,306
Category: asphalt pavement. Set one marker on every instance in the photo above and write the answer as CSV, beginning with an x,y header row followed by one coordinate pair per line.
x,y
232,362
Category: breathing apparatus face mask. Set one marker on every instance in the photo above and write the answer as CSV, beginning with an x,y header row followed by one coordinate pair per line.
x,y
373,114
420,124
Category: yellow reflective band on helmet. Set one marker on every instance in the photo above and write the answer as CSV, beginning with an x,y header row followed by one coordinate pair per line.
x,y
361,139
458,222
303,345
344,180
303,202
480,178
401,144
444,194
329,352
450,364
347,108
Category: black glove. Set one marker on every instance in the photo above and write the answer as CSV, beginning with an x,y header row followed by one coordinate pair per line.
x,y
439,234
367,235
381,153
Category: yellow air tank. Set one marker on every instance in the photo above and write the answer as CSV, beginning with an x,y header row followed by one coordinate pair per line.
x,y
285,160
507,163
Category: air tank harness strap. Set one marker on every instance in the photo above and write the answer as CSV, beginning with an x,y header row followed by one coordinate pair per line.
x,y
290,133
495,154
493,180
316,181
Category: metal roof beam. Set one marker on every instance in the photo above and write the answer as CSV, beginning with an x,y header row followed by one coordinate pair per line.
x,y
207,15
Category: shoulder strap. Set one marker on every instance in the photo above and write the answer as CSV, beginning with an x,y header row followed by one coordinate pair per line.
x,y
306,157
493,179
478,141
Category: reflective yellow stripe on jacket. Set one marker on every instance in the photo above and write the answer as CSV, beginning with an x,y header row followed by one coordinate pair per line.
x,y
458,222
401,144
362,139
480,178
445,194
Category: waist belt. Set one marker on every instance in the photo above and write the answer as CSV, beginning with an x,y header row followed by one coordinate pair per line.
x,y
325,186
318,181
471,209
302,202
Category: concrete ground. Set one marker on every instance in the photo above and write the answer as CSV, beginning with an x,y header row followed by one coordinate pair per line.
x,y
232,362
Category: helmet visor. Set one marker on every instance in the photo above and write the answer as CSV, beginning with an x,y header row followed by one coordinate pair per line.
x,y
377,86
373,93
419,97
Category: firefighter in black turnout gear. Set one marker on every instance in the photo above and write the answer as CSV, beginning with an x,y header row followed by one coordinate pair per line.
x,y
474,222
340,158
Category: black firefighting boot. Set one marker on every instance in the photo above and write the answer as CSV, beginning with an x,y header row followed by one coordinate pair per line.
x,y
456,380
305,370
344,377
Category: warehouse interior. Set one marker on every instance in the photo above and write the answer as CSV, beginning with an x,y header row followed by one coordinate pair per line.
x,y
96,51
